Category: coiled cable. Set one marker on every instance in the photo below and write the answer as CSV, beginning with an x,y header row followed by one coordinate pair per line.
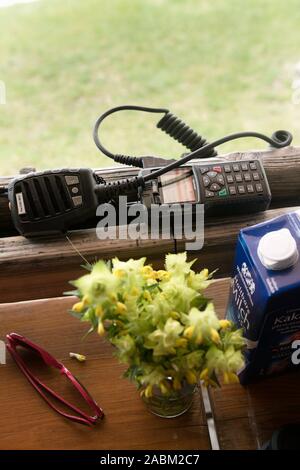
x,y
169,123
181,132
110,191
120,158
279,139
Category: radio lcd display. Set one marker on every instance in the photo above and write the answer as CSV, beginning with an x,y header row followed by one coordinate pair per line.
x,y
178,186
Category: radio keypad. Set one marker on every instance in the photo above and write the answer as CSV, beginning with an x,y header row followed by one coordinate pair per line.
x,y
215,187
232,179
206,181
220,179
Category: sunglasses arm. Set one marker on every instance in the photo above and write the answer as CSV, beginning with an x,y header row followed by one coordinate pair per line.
x,y
40,386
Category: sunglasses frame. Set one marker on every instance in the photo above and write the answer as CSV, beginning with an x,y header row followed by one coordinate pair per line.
x,y
13,341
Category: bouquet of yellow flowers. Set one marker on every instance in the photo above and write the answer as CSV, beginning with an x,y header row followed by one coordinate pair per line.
x,y
160,323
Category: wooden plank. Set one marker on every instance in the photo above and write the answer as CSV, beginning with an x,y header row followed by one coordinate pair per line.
x,y
42,268
245,416
26,422
282,168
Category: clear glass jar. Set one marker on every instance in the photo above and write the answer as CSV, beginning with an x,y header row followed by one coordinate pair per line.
x,y
173,405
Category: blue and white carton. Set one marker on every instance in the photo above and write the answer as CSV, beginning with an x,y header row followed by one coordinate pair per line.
x,y
264,296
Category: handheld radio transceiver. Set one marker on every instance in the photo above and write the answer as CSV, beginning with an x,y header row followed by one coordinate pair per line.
x,y
50,202
224,188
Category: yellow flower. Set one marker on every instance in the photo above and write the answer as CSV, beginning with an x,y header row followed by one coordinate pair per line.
x,y
191,377
78,307
189,331
99,311
215,336
174,315
121,308
135,291
112,296
79,357
225,324
176,384
205,272
147,296
85,300
206,379
119,272
204,374
199,338
163,275
148,272
101,329
164,387
148,391
230,378
181,343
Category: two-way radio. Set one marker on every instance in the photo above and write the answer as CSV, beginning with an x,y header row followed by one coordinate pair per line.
x,y
52,201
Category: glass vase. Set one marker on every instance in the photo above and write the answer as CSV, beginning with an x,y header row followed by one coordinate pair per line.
x,y
170,406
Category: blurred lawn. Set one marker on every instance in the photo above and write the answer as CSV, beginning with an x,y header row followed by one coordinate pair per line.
x,y
222,66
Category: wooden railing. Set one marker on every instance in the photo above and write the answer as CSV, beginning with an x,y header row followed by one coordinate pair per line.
x,y
41,268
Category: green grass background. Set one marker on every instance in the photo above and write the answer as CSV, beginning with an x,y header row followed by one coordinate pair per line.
x,y
221,65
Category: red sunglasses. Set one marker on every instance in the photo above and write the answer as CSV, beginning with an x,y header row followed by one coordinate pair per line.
x,y
13,341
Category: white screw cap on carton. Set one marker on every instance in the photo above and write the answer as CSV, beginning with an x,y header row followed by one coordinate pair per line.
x,y
278,250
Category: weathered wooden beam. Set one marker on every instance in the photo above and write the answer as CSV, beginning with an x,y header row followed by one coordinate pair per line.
x,y
282,168
32,269
41,268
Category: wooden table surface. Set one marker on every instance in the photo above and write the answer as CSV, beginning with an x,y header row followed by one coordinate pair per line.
x,y
245,417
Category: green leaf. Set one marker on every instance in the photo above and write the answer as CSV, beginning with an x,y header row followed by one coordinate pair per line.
x,y
87,267
74,292
75,314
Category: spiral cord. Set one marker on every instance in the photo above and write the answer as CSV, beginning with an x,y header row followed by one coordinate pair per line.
x,y
109,191
181,132
99,179
130,161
